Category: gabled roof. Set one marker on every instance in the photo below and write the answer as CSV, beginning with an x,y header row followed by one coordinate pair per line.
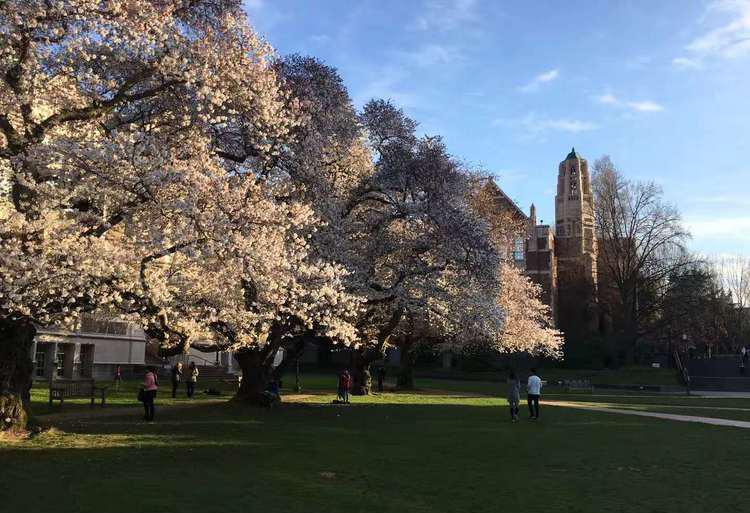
x,y
497,190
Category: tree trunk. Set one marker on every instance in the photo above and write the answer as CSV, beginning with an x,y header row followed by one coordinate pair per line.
x,y
361,377
16,367
256,374
362,358
405,378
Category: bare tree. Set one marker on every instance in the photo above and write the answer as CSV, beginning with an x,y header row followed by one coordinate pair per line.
x,y
641,243
734,273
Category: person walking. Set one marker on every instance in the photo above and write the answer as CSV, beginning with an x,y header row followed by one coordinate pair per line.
x,y
514,395
381,377
118,377
347,385
176,378
533,391
192,379
340,387
150,385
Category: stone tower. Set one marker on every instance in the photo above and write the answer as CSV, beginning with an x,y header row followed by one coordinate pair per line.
x,y
575,247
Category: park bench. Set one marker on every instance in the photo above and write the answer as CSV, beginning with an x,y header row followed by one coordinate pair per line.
x,y
59,390
572,385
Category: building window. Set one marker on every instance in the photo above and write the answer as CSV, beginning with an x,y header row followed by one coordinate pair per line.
x,y
90,324
60,363
41,360
518,250
87,360
573,181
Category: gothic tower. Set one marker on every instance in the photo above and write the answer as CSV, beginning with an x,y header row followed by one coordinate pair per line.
x,y
575,247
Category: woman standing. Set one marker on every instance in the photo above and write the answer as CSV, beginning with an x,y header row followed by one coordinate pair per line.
x,y
192,379
150,385
118,377
176,378
514,395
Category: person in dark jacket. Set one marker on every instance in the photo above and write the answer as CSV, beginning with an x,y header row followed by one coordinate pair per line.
x,y
345,383
192,379
381,378
514,395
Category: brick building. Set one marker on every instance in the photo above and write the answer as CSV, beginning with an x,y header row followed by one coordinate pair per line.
x,y
562,258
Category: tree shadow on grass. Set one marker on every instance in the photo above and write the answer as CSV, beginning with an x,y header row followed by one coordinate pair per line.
x,y
383,455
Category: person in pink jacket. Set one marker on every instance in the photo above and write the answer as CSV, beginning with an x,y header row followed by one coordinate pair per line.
x,y
150,386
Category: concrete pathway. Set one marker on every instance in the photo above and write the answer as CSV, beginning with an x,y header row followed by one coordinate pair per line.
x,y
718,394
656,415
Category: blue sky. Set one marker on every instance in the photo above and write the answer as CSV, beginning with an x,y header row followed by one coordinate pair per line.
x,y
663,87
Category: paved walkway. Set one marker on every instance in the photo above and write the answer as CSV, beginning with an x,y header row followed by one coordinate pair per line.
x,y
656,415
719,394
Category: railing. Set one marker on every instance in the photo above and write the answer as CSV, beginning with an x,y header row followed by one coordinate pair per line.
x,y
684,376
192,356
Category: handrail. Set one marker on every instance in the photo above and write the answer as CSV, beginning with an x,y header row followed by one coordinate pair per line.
x,y
683,372
213,363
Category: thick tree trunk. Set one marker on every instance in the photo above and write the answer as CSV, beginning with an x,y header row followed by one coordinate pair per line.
x,y
362,358
361,377
16,366
405,378
256,374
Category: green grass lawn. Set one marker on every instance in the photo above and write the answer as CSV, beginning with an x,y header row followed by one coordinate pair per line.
x,y
125,396
402,452
633,375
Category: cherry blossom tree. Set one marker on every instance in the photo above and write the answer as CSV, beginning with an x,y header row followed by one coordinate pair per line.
x,y
528,326
528,323
422,252
139,150
321,165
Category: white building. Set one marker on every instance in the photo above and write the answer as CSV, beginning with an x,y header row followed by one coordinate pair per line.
x,y
94,350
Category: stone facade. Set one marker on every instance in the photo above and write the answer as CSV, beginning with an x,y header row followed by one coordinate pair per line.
x,y
563,259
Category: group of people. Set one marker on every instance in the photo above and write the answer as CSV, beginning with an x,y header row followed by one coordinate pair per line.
x,y
177,377
151,385
533,392
147,394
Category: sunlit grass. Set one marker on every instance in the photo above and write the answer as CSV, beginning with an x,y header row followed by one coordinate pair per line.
x,y
442,448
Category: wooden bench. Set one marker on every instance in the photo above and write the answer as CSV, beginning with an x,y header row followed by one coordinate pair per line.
x,y
59,390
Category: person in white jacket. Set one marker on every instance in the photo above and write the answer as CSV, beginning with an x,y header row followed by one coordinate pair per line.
x,y
533,391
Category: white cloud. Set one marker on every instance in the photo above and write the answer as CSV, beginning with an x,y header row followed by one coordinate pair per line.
x,y
607,99
645,106
433,54
685,63
388,85
610,99
736,228
511,175
533,127
444,15
638,62
537,81
321,39
730,40
722,199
